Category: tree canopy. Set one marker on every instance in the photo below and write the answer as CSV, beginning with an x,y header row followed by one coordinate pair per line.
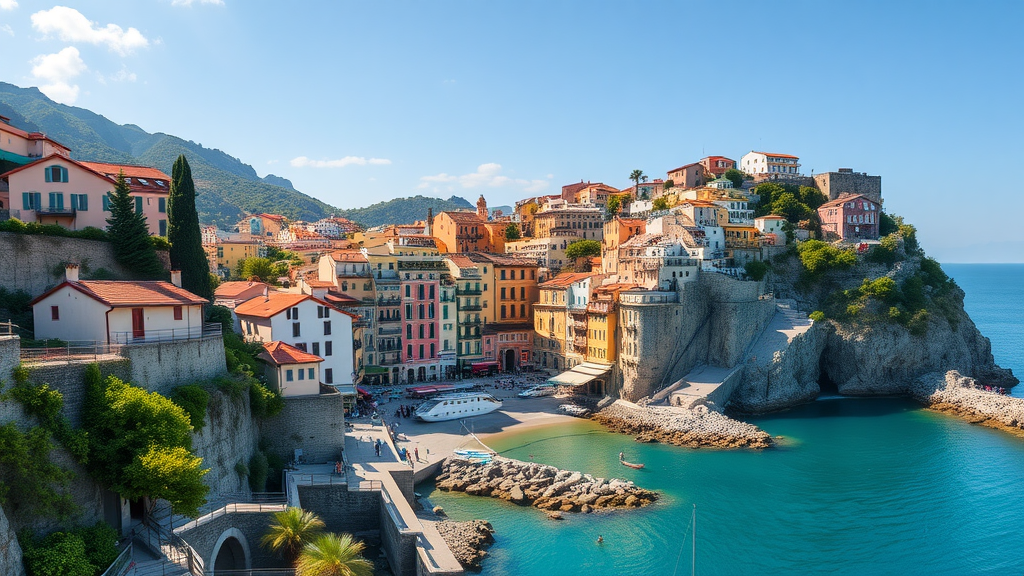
x,y
183,232
290,530
660,204
512,232
333,555
583,249
129,234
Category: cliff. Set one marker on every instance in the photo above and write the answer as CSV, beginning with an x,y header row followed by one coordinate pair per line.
x,y
861,352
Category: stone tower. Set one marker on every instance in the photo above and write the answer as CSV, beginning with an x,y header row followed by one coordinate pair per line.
x,y
481,208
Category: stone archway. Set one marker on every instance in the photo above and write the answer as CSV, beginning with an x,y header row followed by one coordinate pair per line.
x,y
231,552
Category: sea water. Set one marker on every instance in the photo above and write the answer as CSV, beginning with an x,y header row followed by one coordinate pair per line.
x,y
857,486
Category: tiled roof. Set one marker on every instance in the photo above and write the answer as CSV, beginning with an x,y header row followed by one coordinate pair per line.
x,y
130,171
462,261
464,217
770,217
499,259
280,353
120,293
684,167
235,288
274,303
844,199
776,155
30,136
275,217
566,278
348,256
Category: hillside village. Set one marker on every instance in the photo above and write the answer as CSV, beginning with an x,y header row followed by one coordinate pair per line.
x,y
678,291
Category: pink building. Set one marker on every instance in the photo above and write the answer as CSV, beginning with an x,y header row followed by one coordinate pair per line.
x,y
72,194
850,217
689,176
717,165
420,288
509,344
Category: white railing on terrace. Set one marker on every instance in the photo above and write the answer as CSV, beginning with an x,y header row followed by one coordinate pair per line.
x,y
71,352
207,331
230,509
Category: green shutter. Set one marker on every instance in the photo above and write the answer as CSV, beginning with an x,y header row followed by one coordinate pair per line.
x,y
26,201
138,204
48,177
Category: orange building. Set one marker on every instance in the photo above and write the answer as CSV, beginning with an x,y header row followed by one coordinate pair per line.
x,y
616,231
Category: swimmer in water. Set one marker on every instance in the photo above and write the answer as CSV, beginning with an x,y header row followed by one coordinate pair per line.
x,y
600,539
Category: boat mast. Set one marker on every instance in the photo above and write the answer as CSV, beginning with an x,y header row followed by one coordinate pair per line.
x,y
693,559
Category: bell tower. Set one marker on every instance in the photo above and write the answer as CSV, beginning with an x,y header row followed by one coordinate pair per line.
x,y
481,208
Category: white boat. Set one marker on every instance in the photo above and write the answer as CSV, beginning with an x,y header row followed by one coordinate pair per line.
x,y
574,410
457,406
538,391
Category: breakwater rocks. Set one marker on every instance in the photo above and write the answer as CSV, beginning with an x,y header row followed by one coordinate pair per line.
x,y
540,486
693,428
467,541
957,394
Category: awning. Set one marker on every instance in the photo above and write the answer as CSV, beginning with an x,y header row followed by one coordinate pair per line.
x,y
346,390
580,374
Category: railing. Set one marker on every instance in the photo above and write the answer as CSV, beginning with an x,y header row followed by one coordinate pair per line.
x,y
389,331
208,330
122,564
225,510
269,497
7,328
470,308
174,548
468,291
392,301
470,322
69,353
332,480
54,211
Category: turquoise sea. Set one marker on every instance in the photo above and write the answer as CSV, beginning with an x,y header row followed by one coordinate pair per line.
x,y
860,486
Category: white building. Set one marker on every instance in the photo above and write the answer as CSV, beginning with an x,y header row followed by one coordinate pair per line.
x,y
307,323
290,371
739,210
118,312
771,224
770,163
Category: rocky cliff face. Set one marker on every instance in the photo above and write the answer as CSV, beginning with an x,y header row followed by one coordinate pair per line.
x,y
865,358
10,551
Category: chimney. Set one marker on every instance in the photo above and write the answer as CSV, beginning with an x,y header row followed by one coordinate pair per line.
x,y
266,294
176,278
430,222
71,272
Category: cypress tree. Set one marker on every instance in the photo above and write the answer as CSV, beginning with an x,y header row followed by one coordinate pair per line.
x,y
183,232
129,235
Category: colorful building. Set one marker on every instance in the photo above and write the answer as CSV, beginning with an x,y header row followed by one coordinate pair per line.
x,y
689,176
717,165
770,163
850,218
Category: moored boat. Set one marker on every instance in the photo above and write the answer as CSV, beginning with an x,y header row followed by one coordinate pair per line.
x,y
457,406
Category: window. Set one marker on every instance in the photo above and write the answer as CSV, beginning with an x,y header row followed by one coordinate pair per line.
x,y
319,311
80,202
54,313
310,373
177,313
430,311
328,348
316,348
420,310
409,351
163,227
421,352
522,292
289,375
296,330
503,312
408,311
503,295
432,330
408,331
302,374
161,205
444,312
56,201
419,292
328,375
433,350
503,274
31,200
431,290
56,174
301,346
138,205
327,327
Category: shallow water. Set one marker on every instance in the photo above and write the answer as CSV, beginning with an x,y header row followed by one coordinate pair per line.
x,y
857,486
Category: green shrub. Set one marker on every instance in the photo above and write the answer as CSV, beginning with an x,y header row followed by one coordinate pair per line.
x,y
30,484
885,251
259,468
264,402
895,314
918,324
222,316
100,544
818,257
854,309
92,233
193,399
241,469
160,242
46,405
883,289
817,316
59,554
756,269
233,386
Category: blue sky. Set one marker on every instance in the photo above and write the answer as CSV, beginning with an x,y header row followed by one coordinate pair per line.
x,y
357,102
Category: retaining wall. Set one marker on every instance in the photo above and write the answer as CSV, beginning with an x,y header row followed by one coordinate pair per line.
x,y
316,424
343,510
162,366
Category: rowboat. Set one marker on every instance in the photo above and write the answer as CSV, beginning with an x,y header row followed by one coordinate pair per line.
x,y
631,465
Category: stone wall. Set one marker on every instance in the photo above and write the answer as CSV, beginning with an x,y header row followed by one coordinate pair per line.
x,y
834,184
316,424
35,263
343,510
230,436
69,379
162,366
399,547
738,316
250,525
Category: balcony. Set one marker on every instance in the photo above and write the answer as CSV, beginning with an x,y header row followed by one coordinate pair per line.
x,y
469,322
468,291
391,320
390,301
389,331
470,308
52,211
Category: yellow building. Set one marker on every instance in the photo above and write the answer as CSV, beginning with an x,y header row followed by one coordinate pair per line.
x,y
231,252
739,235
602,323
549,317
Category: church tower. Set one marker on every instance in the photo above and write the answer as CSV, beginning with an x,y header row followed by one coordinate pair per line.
x,y
481,208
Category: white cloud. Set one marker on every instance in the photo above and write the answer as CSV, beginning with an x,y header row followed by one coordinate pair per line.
x,y
72,26
191,2
123,75
488,175
6,29
57,70
8,4
303,162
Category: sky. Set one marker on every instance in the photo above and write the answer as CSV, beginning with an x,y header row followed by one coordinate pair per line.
x,y
358,102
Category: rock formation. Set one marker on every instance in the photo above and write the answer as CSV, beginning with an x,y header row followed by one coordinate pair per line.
x,y
10,550
467,541
540,486
693,428
954,393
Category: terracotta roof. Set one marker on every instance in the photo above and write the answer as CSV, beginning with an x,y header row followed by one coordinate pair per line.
x,y
120,293
684,167
718,158
340,298
130,171
319,284
235,288
770,217
499,259
564,279
276,217
464,217
273,304
29,135
572,188
776,155
280,353
462,261
844,199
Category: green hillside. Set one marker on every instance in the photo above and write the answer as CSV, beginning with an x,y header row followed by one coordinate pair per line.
x,y
227,187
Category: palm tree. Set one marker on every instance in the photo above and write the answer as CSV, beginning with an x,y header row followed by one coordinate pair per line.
x,y
635,176
291,529
333,555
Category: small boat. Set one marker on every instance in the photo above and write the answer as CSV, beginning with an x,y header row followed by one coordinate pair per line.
x,y
631,465
574,410
538,391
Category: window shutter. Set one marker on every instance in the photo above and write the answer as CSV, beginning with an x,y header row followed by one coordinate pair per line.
x,y
25,201
49,175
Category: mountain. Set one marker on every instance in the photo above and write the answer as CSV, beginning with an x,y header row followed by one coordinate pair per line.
x,y
226,187
404,210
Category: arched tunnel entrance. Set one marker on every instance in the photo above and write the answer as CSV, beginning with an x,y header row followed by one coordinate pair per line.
x,y
826,387
231,552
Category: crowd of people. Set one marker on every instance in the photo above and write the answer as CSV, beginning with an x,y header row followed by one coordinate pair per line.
x,y
996,389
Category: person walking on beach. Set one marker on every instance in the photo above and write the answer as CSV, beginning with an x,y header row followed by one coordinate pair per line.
x,y
416,451
376,448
